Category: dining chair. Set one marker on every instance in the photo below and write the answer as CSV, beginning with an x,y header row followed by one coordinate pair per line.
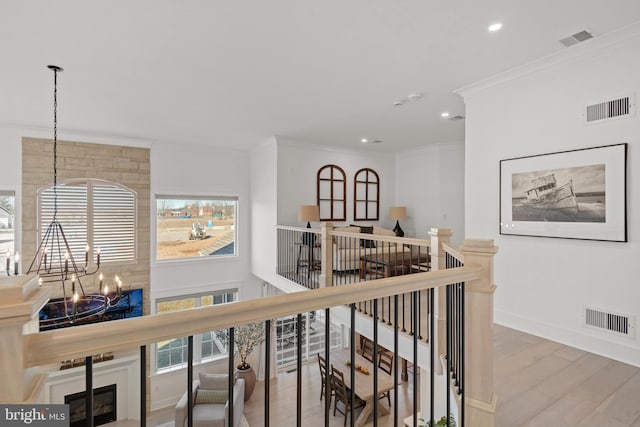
x,y
322,364
367,350
343,394
385,362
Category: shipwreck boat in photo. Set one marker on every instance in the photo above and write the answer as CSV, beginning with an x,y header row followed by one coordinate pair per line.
x,y
545,194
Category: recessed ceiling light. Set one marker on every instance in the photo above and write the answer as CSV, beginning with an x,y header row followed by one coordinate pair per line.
x,y
445,114
496,26
364,140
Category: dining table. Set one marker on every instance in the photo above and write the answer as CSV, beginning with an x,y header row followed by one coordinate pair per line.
x,y
363,386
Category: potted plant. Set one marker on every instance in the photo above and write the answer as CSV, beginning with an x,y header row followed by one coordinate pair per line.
x,y
442,422
246,339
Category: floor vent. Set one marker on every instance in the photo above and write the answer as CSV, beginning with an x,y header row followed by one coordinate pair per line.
x,y
576,38
615,323
611,109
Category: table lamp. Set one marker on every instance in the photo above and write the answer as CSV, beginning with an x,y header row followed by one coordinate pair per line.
x,y
399,213
309,213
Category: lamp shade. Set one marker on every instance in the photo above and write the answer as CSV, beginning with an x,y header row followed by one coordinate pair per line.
x,y
308,213
398,213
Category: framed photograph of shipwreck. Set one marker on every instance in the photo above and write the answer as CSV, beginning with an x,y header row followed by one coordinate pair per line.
x,y
577,194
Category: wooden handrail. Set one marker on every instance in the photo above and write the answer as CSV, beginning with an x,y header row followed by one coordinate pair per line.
x,y
127,334
382,238
453,252
376,237
300,229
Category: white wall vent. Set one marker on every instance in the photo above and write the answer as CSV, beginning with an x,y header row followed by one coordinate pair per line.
x,y
576,38
615,323
619,108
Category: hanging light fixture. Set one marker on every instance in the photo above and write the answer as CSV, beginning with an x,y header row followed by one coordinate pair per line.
x,y
54,261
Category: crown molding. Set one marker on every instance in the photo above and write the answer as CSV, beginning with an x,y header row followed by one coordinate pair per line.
x,y
589,47
46,132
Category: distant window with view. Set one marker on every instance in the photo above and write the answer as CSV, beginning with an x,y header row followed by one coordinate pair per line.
x,y
207,346
7,230
192,227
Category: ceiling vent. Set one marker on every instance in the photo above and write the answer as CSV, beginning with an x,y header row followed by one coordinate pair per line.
x,y
456,118
577,38
618,108
615,323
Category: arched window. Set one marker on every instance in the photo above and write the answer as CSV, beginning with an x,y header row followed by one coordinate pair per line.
x,y
331,193
366,195
93,212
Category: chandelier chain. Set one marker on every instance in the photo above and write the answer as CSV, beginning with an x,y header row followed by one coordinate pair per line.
x,y
55,144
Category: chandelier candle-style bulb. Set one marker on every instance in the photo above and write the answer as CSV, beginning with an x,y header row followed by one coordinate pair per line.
x,y
16,263
101,277
106,291
98,256
86,258
66,262
73,284
75,304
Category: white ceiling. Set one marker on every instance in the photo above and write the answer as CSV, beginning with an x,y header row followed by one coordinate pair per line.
x,y
234,73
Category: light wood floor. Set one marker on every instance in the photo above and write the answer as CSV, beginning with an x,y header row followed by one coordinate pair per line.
x,y
538,383
283,402
543,383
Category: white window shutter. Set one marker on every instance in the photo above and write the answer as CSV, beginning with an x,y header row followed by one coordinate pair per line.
x,y
114,225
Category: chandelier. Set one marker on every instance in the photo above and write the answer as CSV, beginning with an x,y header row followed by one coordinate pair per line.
x,y
54,260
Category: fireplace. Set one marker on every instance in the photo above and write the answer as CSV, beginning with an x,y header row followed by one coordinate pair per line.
x,y
104,406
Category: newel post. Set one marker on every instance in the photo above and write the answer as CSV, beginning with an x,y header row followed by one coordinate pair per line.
x,y
480,399
20,300
326,248
438,262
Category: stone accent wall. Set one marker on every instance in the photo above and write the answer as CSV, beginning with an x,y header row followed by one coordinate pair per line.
x,y
128,166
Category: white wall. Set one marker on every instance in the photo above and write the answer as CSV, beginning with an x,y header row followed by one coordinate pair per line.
x,y
11,175
201,171
430,183
264,205
544,284
298,165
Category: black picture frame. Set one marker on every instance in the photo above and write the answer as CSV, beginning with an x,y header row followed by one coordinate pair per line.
x,y
575,194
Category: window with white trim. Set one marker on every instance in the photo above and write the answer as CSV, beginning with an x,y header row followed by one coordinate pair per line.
x,y
195,226
7,229
95,213
313,337
172,354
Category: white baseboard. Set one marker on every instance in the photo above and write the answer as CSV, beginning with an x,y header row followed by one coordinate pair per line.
x,y
603,344
164,403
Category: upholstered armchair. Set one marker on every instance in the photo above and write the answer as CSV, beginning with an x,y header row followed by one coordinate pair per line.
x,y
211,402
